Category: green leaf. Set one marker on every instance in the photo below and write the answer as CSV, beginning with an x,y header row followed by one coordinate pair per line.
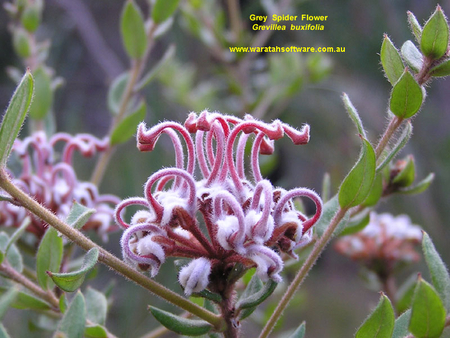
x,y
133,32
356,224
403,139
401,325
18,233
251,299
419,187
48,257
71,281
163,9
79,215
353,113
3,333
116,92
434,41
43,95
380,323
357,185
96,306
95,331
405,294
21,43
180,325
391,61
416,29
15,115
13,255
328,211
26,301
407,175
63,304
375,192
442,69
300,332
73,321
255,293
427,312
31,17
168,55
412,56
7,299
128,126
438,271
326,188
406,96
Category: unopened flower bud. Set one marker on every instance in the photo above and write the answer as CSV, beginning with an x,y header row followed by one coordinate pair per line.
x,y
194,277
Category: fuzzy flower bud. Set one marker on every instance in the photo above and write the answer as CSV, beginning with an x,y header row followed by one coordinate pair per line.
x,y
194,276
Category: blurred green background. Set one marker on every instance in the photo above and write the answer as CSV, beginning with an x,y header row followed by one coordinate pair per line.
x,y
87,52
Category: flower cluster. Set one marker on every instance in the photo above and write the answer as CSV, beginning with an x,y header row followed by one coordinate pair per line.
x,y
54,184
243,221
386,238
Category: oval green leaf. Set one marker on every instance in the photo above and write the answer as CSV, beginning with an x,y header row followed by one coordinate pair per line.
x,y
21,43
96,306
15,115
43,95
427,312
116,92
442,69
406,96
419,187
95,331
74,320
133,30
71,281
391,61
407,175
7,299
254,294
357,185
401,325
434,40
163,10
405,294
353,113
79,215
180,325
11,253
402,140
438,271
128,126
380,323
48,257
26,301
416,29
357,223
412,56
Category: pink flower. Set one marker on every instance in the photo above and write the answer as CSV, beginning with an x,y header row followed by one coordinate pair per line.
x,y
243,220
50,178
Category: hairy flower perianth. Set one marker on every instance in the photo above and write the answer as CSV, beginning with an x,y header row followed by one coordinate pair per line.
x,y
52,181
386,239
246,221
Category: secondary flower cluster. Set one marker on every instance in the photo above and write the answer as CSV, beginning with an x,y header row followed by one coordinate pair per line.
x,y
243,221
386,238
52,182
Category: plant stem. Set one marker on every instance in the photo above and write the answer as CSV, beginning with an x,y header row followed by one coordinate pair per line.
x,y
106,257
235,18
48,296
390,130
310,261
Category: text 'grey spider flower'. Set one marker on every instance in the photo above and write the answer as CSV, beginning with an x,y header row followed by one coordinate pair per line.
x,y
244,221
51,179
